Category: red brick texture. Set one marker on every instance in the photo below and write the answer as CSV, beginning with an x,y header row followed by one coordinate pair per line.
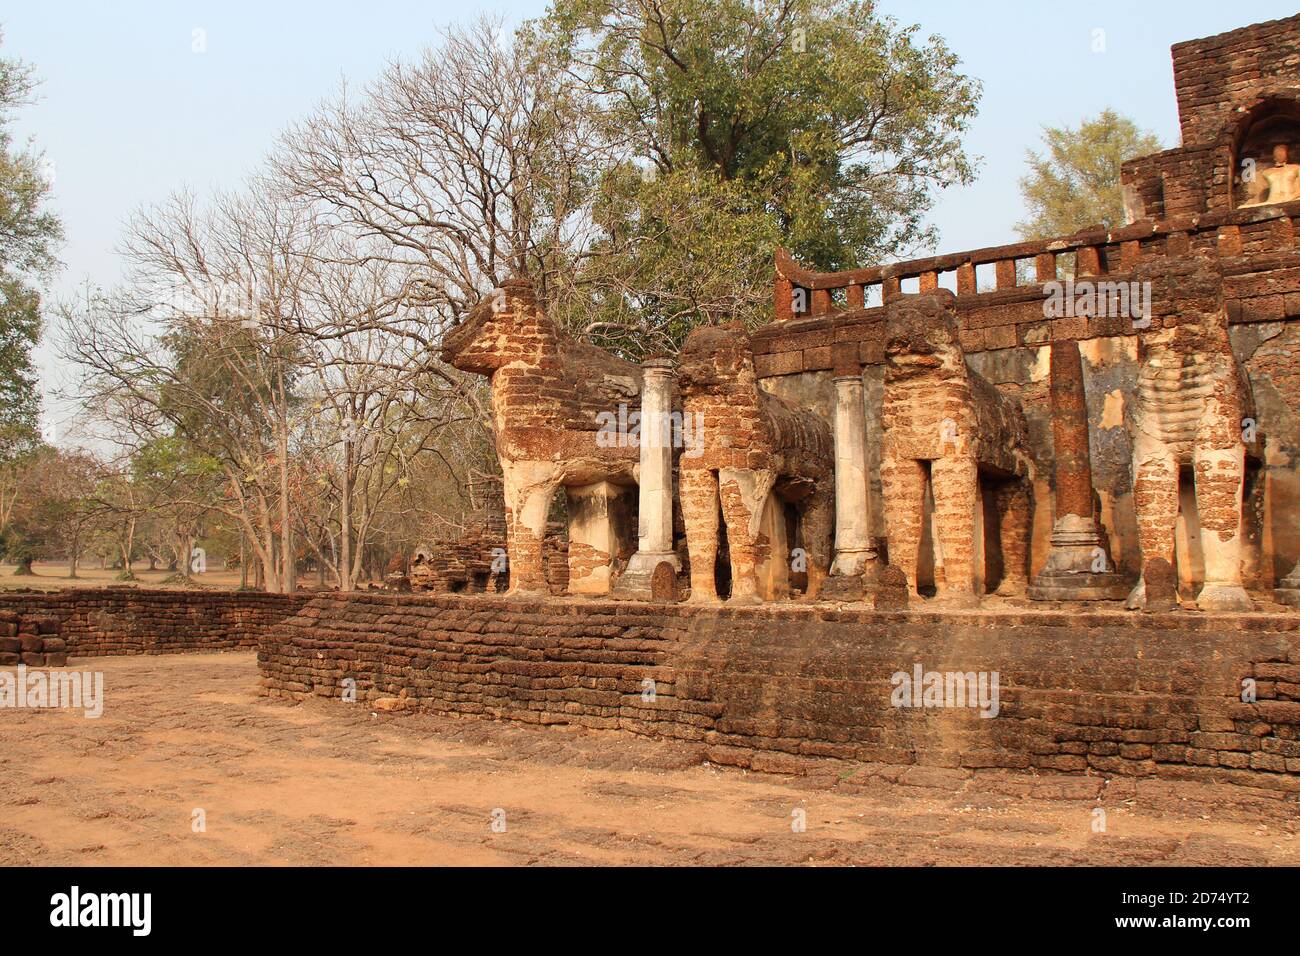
x,y
1213,76
99,622
788,688
1225,85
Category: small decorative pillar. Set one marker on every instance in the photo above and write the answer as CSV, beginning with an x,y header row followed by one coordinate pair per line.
x,y
655,482
1077,567
855,558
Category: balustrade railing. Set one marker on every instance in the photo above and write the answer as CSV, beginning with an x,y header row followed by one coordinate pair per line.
x,y
801,293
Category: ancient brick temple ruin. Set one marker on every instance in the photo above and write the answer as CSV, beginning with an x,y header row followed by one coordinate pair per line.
x,y
1154,363
1038,419
928,465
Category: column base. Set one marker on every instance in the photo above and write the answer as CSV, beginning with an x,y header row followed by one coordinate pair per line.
x,y
634,583
852,561
852,577
1068,574
1289,596
1288,589
1079,586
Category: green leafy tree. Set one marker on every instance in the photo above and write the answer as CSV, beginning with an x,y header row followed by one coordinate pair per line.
x,y
734,126
50,518
1075,182
179,482
29,233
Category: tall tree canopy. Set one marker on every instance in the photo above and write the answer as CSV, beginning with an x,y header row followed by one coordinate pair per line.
x,y
1075,183
734,125
29,233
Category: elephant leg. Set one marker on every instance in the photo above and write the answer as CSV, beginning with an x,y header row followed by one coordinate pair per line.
x,y
1155,499
902,482
744,493
955,480
528,493
699,500
1220,473
816,519
1013,526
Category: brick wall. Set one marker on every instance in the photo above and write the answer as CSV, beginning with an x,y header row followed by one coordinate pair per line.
x,y
1214,75
783,688
1261,262
1007,339
1223,83
97,622
31,639
1177,182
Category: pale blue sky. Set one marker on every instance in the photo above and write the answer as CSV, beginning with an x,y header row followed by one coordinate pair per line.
x,y
129,112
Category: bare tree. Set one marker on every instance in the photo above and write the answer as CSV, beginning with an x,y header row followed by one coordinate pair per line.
x,y
377,409
201,344
471,163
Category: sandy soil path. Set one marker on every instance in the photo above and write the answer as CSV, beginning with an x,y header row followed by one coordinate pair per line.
x,y
324,783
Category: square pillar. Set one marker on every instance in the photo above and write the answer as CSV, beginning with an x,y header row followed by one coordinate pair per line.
x,y
600,518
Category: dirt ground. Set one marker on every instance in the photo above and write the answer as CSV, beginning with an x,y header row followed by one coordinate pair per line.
x,y
325,783
53,576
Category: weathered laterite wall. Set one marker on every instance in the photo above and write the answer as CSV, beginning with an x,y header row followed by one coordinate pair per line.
x,y
96,622
782,688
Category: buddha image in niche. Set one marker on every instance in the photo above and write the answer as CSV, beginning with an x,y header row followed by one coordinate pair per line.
x,y
1278,183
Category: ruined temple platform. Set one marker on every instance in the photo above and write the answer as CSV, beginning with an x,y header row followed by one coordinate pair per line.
x,y
794,689
786,688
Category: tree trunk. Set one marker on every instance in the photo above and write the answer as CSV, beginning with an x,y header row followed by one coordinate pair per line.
x,y
74,550
185,555
289,579
127,547
346,580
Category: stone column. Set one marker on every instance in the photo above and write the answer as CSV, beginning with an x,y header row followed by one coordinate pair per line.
x,y
855,558
600,528
1077,567
655,482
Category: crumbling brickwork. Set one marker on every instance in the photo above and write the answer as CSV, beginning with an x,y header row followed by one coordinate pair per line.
x,y
1190,413
463,562
942,424
99,622
548,395
781,688
475,560
754,453
1236,98
1228,194
1214,76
